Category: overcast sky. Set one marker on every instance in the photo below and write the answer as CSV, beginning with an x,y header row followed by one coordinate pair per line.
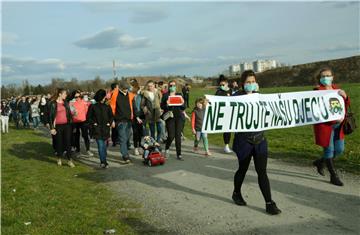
x,y
45,40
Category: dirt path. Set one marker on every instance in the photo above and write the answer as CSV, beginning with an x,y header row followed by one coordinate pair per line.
x,y
194,196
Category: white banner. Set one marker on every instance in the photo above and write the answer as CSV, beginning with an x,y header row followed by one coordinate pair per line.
x,y
257,112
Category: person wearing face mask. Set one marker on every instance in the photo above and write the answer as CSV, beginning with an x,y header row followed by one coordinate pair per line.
x,y
79,107
121,103
329,135
249,145
224,90
175,123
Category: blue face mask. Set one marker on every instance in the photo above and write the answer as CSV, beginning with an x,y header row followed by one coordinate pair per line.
x,y
172,88
326,81
250,87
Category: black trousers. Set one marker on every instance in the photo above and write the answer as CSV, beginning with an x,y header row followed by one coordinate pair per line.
x,y
186,100
259,153
63,140
54,142
138,133
84,128
114,136
226,137
174,127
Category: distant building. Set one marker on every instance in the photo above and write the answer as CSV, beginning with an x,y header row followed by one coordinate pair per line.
x,y
263,65
234,69
258,66
197,80
246,66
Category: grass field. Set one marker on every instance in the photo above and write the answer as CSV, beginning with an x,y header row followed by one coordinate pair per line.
x,y
52,198
297,144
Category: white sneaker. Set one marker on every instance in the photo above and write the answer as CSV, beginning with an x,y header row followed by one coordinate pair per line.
x,y
167,153
59,162
71,164
136,152
227,149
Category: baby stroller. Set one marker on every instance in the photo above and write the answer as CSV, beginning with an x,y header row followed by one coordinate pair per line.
x,y
155,157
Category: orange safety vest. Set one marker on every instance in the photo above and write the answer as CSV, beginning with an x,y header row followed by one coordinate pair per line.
x,y
114,98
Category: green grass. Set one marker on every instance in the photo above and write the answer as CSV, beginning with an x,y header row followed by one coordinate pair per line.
x,y
297,144
52,198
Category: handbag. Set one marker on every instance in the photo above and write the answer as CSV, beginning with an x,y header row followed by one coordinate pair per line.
x,y
349,123
168,115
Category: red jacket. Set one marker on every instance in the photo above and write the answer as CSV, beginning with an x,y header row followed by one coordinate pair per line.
x,y
323,130
80,109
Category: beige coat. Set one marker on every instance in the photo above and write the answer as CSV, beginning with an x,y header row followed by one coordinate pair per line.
x,y
152,109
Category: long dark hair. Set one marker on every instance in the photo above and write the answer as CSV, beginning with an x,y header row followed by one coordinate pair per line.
x,y
57,94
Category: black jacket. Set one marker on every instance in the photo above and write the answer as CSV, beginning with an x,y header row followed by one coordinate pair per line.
x,y
249,136
23,107
53,111
101,115
220,92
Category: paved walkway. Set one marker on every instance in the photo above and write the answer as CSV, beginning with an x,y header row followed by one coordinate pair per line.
x,y
194,196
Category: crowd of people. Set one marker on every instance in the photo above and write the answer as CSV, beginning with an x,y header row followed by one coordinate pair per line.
x,y
127,114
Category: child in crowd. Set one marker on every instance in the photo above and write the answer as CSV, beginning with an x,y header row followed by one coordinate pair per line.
x,y
149,144
197,118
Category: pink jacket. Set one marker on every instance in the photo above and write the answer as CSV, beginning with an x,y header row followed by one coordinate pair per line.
x,y
79,109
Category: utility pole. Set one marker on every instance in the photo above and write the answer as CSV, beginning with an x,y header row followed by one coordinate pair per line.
x,y
114,70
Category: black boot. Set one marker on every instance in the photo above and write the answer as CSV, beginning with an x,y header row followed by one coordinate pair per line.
x,y
238,199
334,178
272,209
319,164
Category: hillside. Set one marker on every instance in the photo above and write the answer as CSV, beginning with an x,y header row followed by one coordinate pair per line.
x,y
347,70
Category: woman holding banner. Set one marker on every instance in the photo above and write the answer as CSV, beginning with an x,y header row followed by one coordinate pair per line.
x,y
329,135
224,90
252,144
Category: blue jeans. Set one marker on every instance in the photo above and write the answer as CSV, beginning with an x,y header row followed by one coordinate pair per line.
x,y
336,145
158,130
25,119
36,121
123,129
102,150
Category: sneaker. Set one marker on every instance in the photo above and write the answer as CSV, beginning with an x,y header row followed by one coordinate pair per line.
x,y
71,164
127,161
227,149
238,199
207,153
167,153
102,165
136,152
272,209
59,162
179,157
106,166
89,153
